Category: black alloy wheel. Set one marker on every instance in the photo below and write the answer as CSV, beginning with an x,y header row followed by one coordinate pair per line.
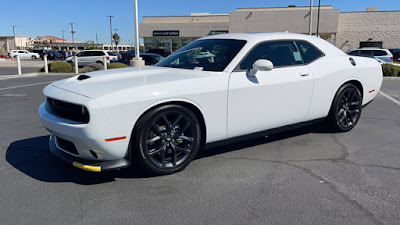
x,y
346,108
167,139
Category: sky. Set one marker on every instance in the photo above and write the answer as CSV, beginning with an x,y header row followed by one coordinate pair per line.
x,y
46,17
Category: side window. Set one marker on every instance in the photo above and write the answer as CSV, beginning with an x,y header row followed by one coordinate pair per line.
x,y
365,53
280,53
98,53
379,53
308,51
81,54
21,52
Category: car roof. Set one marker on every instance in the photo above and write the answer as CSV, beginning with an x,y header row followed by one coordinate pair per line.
x,y
369,48
255,38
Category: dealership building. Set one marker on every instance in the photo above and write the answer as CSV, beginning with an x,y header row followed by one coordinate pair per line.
x,y
346,30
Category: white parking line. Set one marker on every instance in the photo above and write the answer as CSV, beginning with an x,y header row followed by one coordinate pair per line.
x,y
389,97
26,85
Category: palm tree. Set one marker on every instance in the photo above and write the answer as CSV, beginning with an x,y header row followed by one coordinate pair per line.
x,y
116,39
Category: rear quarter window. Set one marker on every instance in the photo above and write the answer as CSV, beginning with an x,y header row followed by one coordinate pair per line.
x,y
379,53
309,51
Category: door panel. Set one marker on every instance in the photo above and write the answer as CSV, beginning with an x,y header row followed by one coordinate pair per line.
x,y
272,99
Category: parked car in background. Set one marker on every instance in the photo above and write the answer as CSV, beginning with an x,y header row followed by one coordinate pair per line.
x,y
396,53
39,51
382,55
117,54
24,54
65,53
53,55
229,86
91,56
149,58
159,51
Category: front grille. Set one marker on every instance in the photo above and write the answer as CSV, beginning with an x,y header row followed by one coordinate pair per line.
x,y
70,111
67,146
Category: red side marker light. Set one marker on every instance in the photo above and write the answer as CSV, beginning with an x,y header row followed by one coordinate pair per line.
x,y
116,139
371,91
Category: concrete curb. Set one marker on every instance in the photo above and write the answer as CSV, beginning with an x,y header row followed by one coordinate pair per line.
x,y
391,78
5,77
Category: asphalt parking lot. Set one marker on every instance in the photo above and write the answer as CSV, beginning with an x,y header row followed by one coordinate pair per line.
x,y
306,176
27,66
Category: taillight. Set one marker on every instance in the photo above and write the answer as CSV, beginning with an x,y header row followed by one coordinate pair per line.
x,y
391,58
108,58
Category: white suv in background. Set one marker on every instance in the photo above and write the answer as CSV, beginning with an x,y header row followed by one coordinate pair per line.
x,y
91,56
382,55
23,54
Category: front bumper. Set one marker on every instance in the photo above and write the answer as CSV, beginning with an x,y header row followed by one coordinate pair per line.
x,y
97,145
88,165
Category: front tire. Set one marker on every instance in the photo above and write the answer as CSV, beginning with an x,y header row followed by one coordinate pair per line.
x,y
346,108
34,57
166,140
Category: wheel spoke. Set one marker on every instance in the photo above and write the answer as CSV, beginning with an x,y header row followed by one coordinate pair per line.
x,y
180,132
190,139
158,150
163,153
348,96
173,154
355,103
156,128
353,95
341,115
183,149
152,140
177,120
167,122
354,111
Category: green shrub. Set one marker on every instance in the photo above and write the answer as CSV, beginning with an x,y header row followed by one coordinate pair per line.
x,y
390,70
116,65
58,67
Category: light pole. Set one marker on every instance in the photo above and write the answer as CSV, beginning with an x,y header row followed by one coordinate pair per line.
x,y
20,36
62,31
310,22
15,44
136,26
111,33
319,9
72,33
136,61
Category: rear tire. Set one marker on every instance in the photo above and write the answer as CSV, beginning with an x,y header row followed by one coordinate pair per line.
x,y
165,140
346,108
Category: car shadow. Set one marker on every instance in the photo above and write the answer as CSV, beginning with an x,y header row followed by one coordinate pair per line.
x,y
32,157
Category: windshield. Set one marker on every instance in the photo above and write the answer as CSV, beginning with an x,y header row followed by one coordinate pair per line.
x,y
209,54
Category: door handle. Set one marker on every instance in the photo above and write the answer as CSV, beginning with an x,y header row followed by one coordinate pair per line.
x,y
303,74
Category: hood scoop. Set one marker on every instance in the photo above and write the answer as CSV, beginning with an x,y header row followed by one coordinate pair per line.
x,y
83,77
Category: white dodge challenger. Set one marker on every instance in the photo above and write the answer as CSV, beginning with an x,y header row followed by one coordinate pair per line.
x,y
214,90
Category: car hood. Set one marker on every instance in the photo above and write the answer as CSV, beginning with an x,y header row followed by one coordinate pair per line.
x,y
103,82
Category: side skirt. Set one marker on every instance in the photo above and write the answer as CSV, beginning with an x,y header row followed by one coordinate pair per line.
x,y
262,133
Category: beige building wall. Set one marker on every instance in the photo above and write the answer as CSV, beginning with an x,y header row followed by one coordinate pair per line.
x,y
368,26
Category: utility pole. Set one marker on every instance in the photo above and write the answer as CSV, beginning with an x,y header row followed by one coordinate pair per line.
x,y
319,10
97,40
62,31
72,33
20,36
310,24
111,32
15,44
